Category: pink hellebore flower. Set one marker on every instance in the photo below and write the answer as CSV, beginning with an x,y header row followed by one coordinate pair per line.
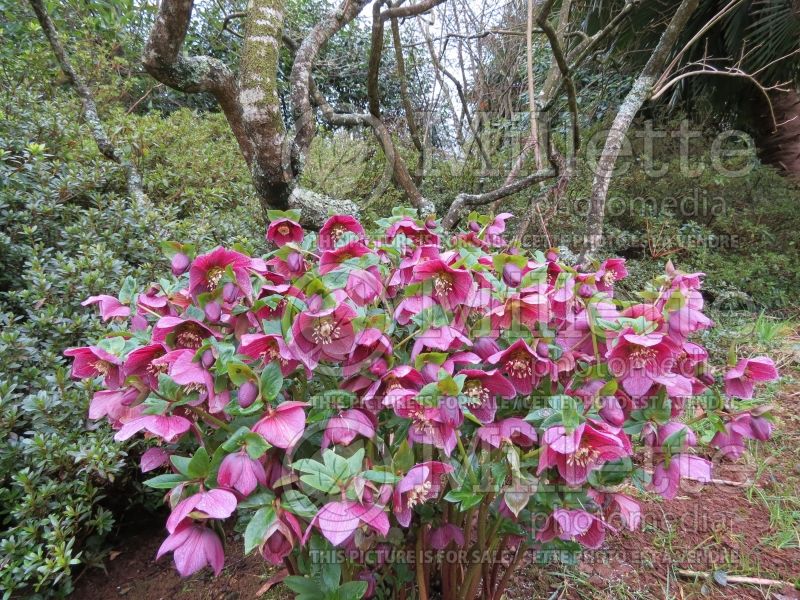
x,y
331,259
153,458
240,472
522,308
343,428
741,379
481,389
430,425
283,425
666,479
280,537
112,404
445,338
93,361
612,270
524,367
324,334
441,537
585,449
193,547
339,520
741,427
208,269
336,229
393,388
177,332
110,307
167,427
450,287
422,483
508,431
269,348
640,360
363,286
140,363
411,307
284,231
418,234
578,525
372,351
210,504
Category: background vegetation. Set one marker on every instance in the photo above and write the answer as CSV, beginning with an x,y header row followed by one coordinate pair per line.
x,y
68,231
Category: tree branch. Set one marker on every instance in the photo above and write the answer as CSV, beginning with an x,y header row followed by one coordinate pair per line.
x,y
89,108
638,94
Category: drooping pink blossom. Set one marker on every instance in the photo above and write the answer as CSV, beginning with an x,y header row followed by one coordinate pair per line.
x,y
240,472
283,425
666,478
740,380
336,230
110,307
325,334
93,361
586,448
523,366
284,231
112,404
578,525
432,425
338,521
449,287
638,360
508,431
207,271
441,537
344,427
331,259
269,348
372,352
177,332
193,547
153,458
422,483
280,537
167,427
208,504
481,390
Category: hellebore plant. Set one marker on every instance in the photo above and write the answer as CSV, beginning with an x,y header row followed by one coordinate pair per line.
x,y
388,416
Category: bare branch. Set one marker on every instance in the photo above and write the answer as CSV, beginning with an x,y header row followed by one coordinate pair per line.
x,y
89,108
463,201
300,77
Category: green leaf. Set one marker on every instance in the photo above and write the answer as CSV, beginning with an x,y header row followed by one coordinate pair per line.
x,y
466,498
181,463
128,290
198,466
298,503
303,585
352,590
380,476
271,381
165,482
256,445
258,527
240,373
403,458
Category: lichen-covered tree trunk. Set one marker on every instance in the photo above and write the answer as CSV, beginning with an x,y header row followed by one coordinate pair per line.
x,y
638,94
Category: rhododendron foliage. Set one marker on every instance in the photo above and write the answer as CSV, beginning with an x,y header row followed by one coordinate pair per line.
x,y
366,403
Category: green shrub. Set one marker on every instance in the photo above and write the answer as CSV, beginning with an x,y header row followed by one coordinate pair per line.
x,y
67,232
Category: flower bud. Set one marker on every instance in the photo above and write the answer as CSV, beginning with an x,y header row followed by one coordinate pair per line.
x,y
612,412
542,350
585,291
207,359
295,262
213,311
485,347
512,274
474,226
229,292
248,392
180,262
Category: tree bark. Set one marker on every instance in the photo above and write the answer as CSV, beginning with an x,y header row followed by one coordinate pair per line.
x,y
89,107
780,146
638,94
